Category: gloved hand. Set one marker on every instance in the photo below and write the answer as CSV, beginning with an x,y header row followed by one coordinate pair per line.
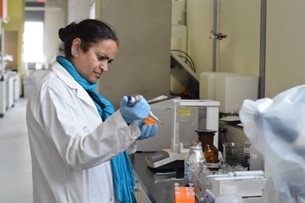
x,y
147,130
139,110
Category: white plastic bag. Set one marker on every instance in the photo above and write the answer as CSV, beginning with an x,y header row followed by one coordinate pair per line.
x,y
276,127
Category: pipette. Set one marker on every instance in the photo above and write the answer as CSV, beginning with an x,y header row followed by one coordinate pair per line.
x,y
134,99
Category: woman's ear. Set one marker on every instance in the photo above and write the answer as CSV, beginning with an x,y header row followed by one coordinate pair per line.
x,y
75,47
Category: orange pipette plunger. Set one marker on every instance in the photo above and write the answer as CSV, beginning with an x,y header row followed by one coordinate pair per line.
x,y
151,119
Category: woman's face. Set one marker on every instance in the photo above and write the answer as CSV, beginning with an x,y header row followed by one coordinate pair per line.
x,y
92,64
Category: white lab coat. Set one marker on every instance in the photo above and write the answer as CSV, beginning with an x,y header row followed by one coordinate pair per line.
x,y
70,146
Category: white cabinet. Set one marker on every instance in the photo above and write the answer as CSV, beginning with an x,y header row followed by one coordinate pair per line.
x,y
9,91
2,96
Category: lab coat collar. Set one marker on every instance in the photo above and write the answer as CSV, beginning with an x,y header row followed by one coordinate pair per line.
x,y
70,82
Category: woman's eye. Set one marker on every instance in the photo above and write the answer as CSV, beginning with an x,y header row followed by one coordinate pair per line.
x,y
102,58
105,58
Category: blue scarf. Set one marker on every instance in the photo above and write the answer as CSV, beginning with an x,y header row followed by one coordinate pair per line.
x,y
123,176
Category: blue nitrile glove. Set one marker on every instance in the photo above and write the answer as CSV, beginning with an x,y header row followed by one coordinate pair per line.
x,y
147,130
139,110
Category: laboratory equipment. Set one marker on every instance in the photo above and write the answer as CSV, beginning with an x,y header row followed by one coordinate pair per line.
x,y
250,187
164,110
250,184
151,119
239,173
186,117
246,154
232,155
193,165
230,194
184,195
210,151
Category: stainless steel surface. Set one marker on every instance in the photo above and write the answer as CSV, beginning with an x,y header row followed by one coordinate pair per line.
x,y
159,187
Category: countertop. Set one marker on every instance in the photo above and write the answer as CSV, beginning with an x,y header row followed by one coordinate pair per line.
x,y
159,186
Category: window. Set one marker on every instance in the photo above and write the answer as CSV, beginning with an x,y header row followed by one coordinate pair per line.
x,y
33,46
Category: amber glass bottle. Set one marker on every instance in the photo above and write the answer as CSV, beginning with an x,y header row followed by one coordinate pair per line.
x,y
206,137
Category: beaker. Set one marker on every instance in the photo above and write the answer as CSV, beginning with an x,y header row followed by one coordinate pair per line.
x,y
232,154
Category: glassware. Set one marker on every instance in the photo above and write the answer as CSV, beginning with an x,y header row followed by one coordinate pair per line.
x,y
233,156
210,151
193,165
246,156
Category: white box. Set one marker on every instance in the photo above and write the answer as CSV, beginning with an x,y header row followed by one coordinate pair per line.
x,y
248,186
207,84
232,90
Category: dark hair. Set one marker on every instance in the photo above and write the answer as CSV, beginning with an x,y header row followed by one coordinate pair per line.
x,y
90,31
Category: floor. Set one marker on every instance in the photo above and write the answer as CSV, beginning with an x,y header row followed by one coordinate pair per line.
x,y
15,170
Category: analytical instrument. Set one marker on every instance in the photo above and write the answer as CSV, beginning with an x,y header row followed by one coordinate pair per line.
x,y
187,117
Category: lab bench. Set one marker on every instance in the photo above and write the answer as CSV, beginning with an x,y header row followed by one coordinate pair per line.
x,y
153,187
158,188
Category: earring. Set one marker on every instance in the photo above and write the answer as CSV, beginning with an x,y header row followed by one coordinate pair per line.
x,y
74,53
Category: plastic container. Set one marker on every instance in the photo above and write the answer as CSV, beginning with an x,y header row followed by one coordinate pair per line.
x,y
229,195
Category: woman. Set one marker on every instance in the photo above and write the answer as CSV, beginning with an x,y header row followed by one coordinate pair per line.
x,y
78,142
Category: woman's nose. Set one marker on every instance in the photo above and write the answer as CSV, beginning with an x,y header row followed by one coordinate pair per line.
x,y
104,66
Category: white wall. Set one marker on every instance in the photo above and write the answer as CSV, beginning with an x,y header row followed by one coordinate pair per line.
x,y
58,16
240,21
78,10
200,24
143,62
54,19
285,45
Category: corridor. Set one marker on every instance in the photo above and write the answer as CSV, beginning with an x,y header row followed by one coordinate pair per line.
x,y
15,170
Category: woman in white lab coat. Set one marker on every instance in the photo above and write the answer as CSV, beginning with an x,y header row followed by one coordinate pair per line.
x,y
78,142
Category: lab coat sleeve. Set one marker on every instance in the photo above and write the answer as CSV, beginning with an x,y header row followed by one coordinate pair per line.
x,y
132,148
81,138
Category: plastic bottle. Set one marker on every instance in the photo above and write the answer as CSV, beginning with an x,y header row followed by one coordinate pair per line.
x,y
193,165
229,195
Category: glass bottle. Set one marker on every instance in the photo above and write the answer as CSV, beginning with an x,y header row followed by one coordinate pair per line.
x,y
193,165
210,151
246,156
